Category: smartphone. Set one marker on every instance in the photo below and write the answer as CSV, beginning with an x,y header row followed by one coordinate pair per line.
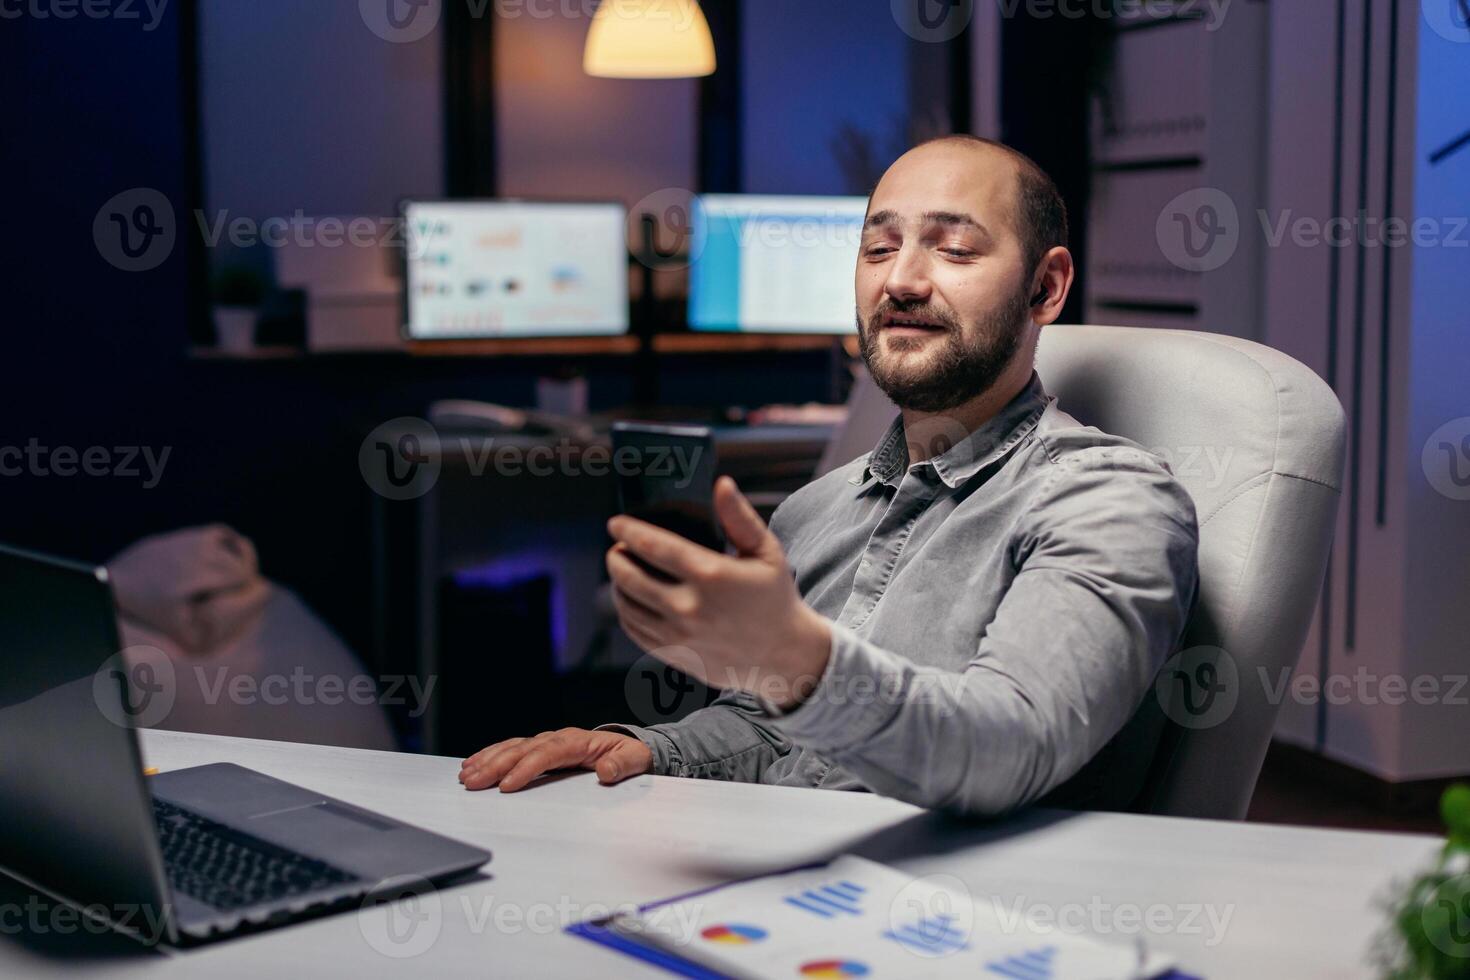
x,y
666,476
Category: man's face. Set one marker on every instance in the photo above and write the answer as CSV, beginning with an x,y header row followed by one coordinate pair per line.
x,y
942,302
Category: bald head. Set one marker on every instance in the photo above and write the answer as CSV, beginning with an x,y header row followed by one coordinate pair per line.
x,y
1038,217
962,262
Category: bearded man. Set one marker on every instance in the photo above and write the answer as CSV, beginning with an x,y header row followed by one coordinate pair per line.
x,y
967,616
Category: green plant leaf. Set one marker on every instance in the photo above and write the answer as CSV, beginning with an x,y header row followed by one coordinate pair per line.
x,y
1454,808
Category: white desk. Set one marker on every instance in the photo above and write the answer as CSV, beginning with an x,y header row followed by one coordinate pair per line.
x,y
1300,902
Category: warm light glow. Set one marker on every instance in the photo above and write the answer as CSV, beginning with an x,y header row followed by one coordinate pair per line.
x,y
649,39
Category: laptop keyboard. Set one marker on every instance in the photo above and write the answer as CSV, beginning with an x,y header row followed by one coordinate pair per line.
x,y
227,869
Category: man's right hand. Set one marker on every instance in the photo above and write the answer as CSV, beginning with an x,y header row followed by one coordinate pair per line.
x,y
515,762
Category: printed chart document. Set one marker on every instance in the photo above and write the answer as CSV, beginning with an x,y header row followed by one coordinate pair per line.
x,y
857,918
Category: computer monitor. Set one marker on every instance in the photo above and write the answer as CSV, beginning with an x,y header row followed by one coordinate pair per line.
x,y
775,264
514,269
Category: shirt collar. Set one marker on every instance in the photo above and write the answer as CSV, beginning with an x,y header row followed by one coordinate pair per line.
x,y
888,462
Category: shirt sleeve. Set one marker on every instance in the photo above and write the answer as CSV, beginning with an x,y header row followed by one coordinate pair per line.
x,y
1106,574
733,738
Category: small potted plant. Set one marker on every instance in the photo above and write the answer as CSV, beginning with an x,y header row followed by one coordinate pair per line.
x,y
237,291
1428,937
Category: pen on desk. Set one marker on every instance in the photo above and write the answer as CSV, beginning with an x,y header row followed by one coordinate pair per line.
x,y
151,771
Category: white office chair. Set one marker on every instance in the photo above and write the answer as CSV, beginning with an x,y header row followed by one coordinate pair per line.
x,y
1266,503
1256,438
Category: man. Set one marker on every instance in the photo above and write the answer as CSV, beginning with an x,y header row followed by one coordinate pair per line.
x,y
964,617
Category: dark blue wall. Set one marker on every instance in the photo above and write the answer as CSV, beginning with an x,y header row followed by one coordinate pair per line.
x,y
99,357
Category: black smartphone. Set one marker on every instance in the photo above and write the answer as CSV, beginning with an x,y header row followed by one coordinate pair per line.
x,y
666,476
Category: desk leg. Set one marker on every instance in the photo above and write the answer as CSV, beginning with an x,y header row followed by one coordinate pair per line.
x,y
428,611
378,595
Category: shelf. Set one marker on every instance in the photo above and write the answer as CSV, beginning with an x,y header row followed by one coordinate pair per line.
x,y
524,346
269,352
616,346
720,343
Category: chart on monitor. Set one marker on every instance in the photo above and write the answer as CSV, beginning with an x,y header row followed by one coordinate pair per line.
x,y
477,269
774,264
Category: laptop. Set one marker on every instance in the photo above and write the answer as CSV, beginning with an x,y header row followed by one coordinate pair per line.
x,y
181,857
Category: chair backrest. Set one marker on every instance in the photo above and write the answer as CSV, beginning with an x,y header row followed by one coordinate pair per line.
x,y
1257,440
869,414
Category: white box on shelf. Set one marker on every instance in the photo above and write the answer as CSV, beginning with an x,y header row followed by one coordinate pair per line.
x,y
353,319
353,298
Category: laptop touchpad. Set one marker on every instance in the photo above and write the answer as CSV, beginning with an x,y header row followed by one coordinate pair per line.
x,y
315,813
357,817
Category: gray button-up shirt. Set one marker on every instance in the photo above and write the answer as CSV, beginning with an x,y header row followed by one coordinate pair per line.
x,y
1000,611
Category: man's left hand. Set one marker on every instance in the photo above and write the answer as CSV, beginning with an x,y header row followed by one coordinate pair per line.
x,y
734,622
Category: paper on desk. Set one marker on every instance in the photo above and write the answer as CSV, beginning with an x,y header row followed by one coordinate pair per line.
x,y
857,918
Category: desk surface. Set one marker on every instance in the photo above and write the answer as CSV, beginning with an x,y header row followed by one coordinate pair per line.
x,y
1286,902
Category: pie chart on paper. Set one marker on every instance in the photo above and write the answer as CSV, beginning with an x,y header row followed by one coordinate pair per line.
x,y
834,968
734,934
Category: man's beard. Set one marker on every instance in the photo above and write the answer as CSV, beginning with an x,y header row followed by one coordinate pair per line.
x,y
957,371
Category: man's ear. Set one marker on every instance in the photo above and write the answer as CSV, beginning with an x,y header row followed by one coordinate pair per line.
x,y
1056,272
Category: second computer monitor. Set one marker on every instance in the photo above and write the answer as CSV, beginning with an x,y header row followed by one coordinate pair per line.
x,y
775,264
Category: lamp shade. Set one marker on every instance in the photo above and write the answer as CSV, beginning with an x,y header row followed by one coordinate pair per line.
x,y
649,39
